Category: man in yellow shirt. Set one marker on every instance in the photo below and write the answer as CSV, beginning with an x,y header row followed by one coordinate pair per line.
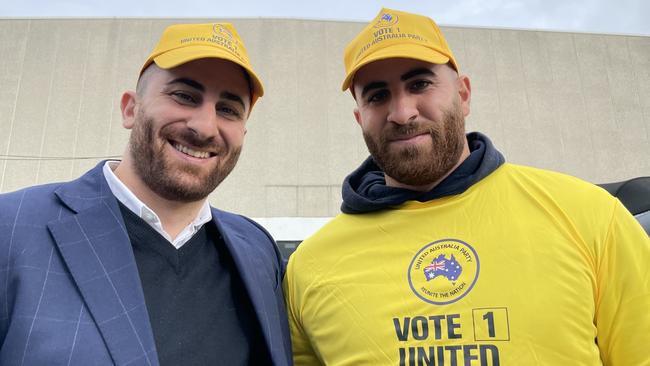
x,y
445,254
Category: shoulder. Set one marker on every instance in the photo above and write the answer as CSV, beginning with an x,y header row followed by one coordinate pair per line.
x,y
543,182
41,200
24,216
565,200
240,224
38,191
33,200
257,238
317,253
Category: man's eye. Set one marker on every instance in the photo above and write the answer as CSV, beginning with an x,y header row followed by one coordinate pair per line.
x,y
183,97
229,111
420,85
378,97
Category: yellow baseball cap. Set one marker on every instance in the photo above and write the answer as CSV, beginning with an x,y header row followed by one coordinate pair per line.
x,y
392,34
182,43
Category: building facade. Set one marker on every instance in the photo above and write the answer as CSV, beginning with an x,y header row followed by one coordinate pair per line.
x,y
571,102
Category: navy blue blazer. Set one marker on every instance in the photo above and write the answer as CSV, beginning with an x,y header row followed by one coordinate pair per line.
x,y
70,293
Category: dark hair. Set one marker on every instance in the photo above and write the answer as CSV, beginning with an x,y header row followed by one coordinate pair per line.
x,y
143,79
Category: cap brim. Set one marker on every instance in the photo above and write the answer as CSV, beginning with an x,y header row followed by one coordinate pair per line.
x,y
183,55
412,51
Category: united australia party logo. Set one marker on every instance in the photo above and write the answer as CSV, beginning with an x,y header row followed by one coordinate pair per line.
x,y
443,271
387,20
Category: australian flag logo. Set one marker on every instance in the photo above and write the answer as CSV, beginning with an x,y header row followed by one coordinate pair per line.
x,y
441,266
386,20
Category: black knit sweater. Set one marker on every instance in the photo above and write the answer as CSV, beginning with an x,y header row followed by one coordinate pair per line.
x,y
199,310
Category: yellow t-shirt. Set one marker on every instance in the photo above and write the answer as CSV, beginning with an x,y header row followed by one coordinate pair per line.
x,y
526,267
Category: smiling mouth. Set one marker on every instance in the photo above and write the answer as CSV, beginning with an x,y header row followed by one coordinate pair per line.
x,y
408,137
191,152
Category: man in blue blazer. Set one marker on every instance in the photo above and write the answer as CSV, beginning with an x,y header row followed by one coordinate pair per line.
x,y
129,265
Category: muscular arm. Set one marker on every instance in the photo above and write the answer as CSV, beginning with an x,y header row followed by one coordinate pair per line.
x,y
623,302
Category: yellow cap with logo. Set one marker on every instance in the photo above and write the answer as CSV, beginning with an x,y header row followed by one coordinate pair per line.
x,y
393,34
182,43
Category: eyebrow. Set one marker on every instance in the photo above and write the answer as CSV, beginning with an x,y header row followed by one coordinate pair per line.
x,y
233,97
198,86
417,72
189,82
371,86
408,75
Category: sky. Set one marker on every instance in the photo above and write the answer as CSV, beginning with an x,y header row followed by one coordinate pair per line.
x,y
592,16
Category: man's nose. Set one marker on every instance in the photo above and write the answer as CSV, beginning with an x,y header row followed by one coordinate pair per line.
x,y
205,122
403,109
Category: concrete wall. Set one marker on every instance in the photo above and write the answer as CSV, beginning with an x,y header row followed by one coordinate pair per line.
x,y
576,103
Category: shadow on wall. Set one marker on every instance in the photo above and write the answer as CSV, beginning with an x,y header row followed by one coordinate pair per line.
x,y
634,194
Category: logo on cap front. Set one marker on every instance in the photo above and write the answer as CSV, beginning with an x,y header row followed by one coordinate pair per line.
x,y
221,30
387,20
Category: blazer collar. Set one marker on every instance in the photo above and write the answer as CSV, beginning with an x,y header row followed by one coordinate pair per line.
x,y
87,191
95,246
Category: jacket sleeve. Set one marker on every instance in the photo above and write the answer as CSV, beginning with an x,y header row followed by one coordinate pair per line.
x,y
623,296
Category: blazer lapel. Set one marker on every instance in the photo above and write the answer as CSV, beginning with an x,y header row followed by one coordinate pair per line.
x,y
95,246
259,289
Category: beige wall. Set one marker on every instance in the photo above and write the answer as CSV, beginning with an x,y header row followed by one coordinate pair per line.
x,y
577,103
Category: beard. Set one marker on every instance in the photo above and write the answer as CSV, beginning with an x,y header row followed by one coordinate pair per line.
x,y
417,165
171,179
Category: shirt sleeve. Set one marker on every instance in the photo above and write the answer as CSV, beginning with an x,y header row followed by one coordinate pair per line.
x,y
623,298
303,352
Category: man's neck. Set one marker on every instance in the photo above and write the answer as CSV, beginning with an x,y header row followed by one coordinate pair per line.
x,y
174,215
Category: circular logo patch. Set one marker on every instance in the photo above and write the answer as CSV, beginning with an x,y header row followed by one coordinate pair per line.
x,y
220,29
444,271
387,20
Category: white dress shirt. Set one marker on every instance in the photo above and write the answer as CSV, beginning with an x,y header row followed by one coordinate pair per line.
x,y
128,199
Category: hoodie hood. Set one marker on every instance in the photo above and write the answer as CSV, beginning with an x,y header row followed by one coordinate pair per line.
x,y
365,190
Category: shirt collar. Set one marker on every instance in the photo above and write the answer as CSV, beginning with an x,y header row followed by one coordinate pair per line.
x,y
133,203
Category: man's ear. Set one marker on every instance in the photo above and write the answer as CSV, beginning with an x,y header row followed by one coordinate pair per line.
x,y
465,93
128,106
357,116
